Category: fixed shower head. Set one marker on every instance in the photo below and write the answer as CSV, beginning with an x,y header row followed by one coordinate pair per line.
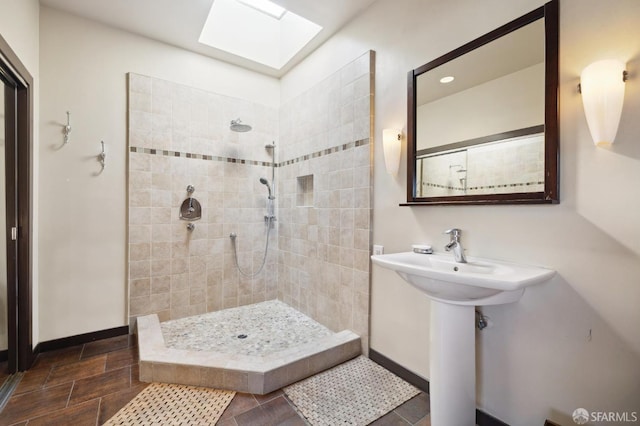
x,y
266,183
270,146
237,126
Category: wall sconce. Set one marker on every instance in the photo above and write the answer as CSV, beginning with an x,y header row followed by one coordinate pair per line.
x,y
602,88
392,144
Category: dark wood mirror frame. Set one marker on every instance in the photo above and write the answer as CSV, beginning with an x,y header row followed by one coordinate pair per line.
x,y
551,129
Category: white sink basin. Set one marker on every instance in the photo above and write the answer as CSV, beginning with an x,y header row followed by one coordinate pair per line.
x,y
477,282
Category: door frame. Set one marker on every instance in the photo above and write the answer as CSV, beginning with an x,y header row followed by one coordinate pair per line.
x,y
19,108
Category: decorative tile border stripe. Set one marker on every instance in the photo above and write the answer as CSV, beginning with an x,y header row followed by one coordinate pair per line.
x,y
169,153
506,185
324,152
476,188
436,185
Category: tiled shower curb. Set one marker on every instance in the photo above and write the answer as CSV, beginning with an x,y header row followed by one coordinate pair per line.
x,y
242,373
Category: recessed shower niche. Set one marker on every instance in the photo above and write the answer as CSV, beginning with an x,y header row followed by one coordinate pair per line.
x,y
304,193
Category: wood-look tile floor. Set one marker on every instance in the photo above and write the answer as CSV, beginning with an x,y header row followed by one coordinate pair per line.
x,y
87,384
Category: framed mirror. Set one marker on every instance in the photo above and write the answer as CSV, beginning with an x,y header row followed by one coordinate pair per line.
x,y
482,123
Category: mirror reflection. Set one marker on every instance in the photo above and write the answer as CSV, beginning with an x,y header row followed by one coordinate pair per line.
x,y
496,88
482,118
511,164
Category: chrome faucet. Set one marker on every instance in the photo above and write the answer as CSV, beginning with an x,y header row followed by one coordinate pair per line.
x,y
455,245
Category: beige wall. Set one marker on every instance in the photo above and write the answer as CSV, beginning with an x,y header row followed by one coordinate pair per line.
x,y
19,26
83,215
536,360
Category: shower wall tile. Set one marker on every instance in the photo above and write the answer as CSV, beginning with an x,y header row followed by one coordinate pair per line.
x,y
161,284
140,288
180,136
140,251
323,261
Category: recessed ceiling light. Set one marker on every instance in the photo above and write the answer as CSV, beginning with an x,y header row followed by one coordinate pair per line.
x,y
447,79
265,6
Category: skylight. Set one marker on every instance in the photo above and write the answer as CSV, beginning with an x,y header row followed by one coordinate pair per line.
x,y
258,30
265,6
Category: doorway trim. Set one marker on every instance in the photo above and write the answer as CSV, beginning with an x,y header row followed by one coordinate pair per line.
x,y
20,313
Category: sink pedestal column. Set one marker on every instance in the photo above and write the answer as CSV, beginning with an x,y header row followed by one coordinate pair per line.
x,y
452,365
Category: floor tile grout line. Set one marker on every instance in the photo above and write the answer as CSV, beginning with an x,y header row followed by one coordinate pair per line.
x,y
111,393
70,393
98,413
232,419
104,370
254,398
403,417
56,366
46,379
422,418
295,408
267,400
50,412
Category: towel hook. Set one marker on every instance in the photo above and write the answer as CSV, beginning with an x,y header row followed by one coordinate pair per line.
x,y
102,156
66,130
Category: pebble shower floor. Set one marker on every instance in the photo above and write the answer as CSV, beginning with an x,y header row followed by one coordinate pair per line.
x,y
260,329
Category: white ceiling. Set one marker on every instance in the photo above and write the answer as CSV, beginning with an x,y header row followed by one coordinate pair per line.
x,y
179,22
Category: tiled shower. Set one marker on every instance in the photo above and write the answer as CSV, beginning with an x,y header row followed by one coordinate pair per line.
x,y
318,261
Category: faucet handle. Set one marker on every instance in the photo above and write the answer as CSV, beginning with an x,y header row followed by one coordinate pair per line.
x,y
454,232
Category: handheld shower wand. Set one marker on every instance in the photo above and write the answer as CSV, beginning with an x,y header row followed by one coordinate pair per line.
x,y
269,219
266,182
270,202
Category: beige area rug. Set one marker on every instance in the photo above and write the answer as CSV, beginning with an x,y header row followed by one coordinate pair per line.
x,y
354,393
168,404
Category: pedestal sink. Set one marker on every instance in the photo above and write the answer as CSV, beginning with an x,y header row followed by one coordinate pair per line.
x,y
455,289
